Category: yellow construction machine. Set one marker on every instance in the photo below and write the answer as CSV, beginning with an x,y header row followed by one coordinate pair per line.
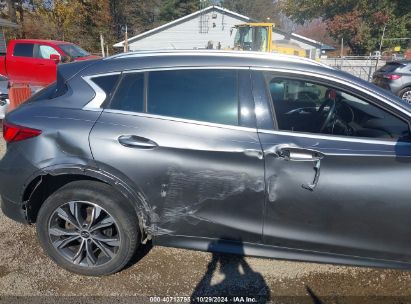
x,y
258,37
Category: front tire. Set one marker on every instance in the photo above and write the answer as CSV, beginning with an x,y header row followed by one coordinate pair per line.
x,y
88,228
405,94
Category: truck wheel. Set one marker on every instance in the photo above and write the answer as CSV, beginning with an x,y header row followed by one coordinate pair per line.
x,y
88,228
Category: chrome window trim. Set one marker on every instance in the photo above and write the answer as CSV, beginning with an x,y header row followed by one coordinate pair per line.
x,y
183,120
98,99
182,68
338,80
336,138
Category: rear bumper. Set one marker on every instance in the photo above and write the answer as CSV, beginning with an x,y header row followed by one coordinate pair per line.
x,y
15,171
394,86
13,210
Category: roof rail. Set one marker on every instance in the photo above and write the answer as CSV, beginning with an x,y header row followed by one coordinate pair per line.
x,y
219,53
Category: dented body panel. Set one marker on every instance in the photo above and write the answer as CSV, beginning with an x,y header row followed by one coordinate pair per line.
x,y
199,180
361,200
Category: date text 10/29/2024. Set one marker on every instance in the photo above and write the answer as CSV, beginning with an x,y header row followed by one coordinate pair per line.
x,y
205,299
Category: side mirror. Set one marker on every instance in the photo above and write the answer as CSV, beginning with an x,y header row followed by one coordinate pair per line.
x,y
55,58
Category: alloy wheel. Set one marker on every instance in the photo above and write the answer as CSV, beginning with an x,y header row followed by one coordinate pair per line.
x,y
407,96
84,233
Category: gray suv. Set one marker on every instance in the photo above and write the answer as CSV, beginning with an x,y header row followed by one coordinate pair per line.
x,y
395,76
247,153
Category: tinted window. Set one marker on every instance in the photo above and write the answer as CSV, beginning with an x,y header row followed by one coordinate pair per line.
x,y
205,95
310,107
23,49
391,67
130,93
73,50
106,83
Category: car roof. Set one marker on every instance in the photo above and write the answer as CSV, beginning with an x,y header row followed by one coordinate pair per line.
x,y
202,58
217,54
42,41
403,61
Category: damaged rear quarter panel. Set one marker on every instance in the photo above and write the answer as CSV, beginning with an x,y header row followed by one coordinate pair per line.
x,y
64,140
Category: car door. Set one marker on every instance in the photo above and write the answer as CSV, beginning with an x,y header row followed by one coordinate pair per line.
x,y
21,65
339,191
46,68
186,139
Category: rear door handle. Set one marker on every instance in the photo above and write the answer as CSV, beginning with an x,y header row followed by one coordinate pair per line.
x,y
134,141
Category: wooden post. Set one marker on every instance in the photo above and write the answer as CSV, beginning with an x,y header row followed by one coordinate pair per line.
x,y
102,45
342,52
126,41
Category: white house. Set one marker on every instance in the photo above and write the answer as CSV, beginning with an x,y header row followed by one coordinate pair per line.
x,y
211,27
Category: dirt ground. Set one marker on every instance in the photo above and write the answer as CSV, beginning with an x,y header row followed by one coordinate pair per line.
x,y
28,275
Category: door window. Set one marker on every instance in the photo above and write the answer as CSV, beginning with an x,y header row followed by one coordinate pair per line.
x,y
204,95
130,93
44,51
23,50
306,106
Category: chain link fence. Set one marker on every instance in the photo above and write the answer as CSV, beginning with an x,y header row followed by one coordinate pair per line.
x,y
360,66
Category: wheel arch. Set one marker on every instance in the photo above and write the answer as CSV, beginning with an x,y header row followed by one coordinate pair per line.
x,y
406,87
42,184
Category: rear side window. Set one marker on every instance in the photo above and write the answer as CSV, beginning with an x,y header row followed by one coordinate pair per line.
x,y
204,95
130,93
106,83
23,50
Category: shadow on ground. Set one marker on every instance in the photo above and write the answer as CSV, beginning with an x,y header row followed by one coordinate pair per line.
x,y
230,276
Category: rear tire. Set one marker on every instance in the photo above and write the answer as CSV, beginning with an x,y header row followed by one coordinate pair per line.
x,y
88,228
405,94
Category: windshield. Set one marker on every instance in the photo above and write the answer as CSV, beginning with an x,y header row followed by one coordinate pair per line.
x,y
251,38
243,37
73,50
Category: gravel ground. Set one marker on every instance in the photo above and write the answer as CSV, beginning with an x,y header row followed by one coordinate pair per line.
x,y
27,274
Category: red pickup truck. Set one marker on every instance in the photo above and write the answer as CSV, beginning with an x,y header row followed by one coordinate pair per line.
x,y
34,61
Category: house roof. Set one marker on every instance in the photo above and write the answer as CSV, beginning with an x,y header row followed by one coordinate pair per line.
x,y
183,19
299,38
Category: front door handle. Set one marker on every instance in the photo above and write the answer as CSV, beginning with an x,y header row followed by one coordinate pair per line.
x,y
295,153
133,141
312,186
